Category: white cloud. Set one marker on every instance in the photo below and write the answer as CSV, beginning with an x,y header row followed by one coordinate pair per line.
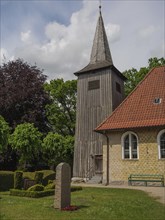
x,y
67,48
26,36
62,49
3,55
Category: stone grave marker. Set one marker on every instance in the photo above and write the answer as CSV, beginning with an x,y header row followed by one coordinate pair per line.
x,y
62,189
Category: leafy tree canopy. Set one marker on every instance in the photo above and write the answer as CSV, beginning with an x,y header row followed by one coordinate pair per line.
x,y
58,148
22,95
61,112
134,76
4,134
26,139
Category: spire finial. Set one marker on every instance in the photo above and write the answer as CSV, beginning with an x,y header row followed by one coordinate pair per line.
x,y
100,6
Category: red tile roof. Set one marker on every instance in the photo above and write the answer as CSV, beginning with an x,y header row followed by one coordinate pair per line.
x,y
139,109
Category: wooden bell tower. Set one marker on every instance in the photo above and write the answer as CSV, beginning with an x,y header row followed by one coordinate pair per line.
x,y
100,90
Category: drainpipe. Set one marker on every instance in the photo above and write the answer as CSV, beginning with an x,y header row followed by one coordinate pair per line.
x,y
107,174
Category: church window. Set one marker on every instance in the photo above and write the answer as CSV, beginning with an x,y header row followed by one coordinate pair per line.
x,y
161,144
118,87
129,146
94,84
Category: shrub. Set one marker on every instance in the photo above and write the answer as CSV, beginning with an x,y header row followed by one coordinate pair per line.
x,y
50,181
37,187
32,194
6,180
38,177
50,186
18,180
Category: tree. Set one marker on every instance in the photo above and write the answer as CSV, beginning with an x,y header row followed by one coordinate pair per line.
x,y
26,139
58,149
134,76
22,94
4,134
61,112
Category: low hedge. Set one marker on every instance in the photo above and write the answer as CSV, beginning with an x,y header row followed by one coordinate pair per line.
x,y
36,187
6,180
18,180
50,186
32,194
38,177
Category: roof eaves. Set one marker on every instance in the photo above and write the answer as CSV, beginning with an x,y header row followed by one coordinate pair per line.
x,y
114,112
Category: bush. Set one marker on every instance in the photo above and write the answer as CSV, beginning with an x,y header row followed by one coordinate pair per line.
x,y
50,181
37,187
32,194
6,180
18,180
38,177
50,186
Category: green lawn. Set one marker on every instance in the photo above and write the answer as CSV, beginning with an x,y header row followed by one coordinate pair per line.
x,y
93,203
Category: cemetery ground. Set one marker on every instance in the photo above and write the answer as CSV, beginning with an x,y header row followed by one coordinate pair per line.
x,y
92,203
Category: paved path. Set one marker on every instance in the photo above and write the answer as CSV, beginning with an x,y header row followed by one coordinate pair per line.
x,y
157,192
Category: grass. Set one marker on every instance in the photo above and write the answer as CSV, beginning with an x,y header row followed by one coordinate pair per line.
x,y
93,203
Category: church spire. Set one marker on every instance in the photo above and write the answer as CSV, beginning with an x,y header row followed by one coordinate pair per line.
x,y
100,50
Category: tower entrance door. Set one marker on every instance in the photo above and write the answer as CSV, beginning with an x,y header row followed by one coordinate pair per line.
x,y
98,164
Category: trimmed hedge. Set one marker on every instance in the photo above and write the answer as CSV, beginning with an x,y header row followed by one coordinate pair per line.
x,y
18,180
38,177
37,187
6,180
32,194
50,186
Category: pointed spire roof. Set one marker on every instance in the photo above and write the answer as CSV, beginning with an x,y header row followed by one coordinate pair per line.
x,y
100,55
100,50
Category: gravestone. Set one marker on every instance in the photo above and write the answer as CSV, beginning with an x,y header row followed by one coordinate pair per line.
x,y
28,183
62,189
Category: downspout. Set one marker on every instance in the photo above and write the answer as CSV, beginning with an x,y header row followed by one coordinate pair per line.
x,y
107,174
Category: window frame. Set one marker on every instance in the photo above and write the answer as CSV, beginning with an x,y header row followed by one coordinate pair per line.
x,y
158,142
130,147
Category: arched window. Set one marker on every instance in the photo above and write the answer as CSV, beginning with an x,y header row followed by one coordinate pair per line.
x,y
129,146
161,144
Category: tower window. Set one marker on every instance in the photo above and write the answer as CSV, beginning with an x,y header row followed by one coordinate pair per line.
x,y
118,87
94,84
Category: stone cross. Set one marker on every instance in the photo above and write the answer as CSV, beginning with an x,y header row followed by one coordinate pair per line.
x,y
62,189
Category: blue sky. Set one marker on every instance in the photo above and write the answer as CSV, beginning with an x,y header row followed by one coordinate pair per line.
x,y
58,35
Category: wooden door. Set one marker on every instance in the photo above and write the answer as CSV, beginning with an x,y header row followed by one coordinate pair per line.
x,y
98,164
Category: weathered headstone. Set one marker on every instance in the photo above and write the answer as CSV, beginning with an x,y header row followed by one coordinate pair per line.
x,y
28,183
62,189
